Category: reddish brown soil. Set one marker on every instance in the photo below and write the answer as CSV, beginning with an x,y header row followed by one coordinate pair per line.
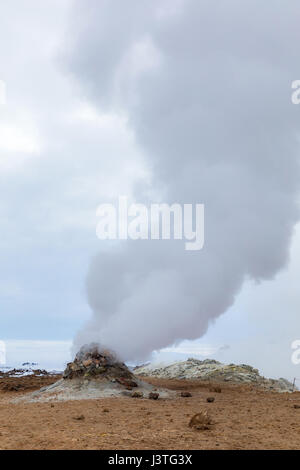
x,y
26,383
244,419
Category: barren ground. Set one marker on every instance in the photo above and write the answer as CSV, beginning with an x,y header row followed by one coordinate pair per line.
x,y
244,418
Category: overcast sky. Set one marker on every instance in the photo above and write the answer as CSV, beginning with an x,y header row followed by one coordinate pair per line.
x,y
182,99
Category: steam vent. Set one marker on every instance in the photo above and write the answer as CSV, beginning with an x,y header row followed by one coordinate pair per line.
x,y
91,364
97,373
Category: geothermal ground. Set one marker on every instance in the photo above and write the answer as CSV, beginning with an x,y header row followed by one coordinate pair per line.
x,y
243,417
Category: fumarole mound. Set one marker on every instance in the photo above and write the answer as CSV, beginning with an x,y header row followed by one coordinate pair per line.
x,y
92,363
95,373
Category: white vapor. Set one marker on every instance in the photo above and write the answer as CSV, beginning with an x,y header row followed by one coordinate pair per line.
x,y
206,88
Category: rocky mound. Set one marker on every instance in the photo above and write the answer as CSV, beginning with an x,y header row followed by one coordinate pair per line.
x,y
211,370
90,363
96,373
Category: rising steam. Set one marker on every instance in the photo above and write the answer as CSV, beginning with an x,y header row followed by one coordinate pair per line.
x,y
206,88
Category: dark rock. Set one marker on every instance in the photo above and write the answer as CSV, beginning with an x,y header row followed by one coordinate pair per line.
x,y
137,395
186,394
79,418
126,382
153,396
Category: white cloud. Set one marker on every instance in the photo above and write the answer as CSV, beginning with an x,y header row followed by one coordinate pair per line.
x,y
14,139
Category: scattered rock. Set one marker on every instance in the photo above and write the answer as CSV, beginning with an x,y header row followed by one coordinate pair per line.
x,y
153,396
137,395
186,394
210,399
297,407
215,389
201,421
105,410
127,382
79,418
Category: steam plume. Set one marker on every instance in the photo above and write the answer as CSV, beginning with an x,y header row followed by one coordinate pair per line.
x,y
207,90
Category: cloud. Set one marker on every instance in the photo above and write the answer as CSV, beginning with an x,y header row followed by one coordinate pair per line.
x,y
59,159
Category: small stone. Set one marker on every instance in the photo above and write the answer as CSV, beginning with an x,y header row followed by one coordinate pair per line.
x,y
153,396
297,407
186,394
215,389
137,395
79,418
210,399
105,410
126,382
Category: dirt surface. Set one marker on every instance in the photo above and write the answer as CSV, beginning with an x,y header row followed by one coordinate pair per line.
x,y
243,418
26,383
